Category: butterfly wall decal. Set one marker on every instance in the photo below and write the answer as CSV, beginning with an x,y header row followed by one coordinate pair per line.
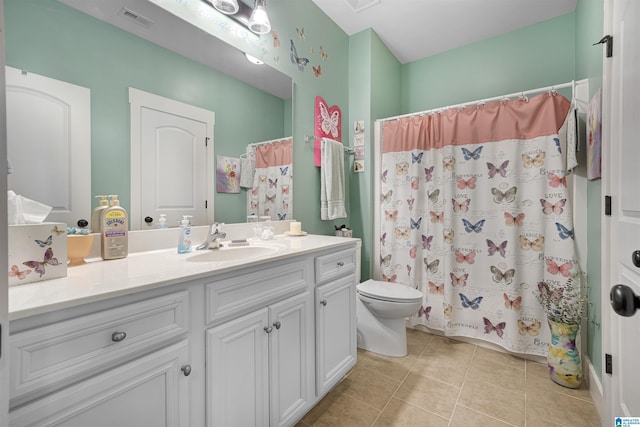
x,y
473,228
276,39
493,248
468,155
489,327
508,196
300,32
39,266
417,158
15,272
469,183
459,281
431,267
549,208
563,269
555,181
500,277
44,243
531,329
462,206
512,304
537,160
564,232
436,289
474,304
536,245
428,174
500,170
317,71
462,258
513,221
323,54
295,59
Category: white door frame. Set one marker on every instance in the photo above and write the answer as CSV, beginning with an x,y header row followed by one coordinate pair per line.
x,y
139,99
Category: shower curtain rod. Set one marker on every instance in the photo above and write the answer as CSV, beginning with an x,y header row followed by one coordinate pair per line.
x,y
572,84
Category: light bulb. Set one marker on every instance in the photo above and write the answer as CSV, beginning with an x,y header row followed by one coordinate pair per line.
x,y
259,21
228,7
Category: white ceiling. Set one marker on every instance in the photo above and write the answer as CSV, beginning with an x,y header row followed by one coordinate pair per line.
x,y
415,29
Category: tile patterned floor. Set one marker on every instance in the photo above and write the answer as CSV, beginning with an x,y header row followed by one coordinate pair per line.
x,y
442,382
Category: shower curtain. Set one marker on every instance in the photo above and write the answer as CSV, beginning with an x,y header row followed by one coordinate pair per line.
x,y
272,180
475,213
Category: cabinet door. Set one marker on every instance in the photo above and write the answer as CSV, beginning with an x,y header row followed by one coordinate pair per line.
x,y
335,306
237,372
291,359
151,391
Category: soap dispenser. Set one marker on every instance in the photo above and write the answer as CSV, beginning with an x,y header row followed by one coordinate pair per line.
x,y
184,235
162,221
115,226
96,225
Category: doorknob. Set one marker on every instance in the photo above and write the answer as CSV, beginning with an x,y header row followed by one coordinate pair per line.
x,y
623,300
148,219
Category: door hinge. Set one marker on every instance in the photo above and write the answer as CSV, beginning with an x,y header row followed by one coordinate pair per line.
x,y
206,204
607,205
608,40
608,364
206,141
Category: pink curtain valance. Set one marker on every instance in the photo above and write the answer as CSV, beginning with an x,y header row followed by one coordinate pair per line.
x,y
541,115
278,153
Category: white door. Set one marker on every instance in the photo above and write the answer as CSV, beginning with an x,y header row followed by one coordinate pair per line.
x,y
171,161
621,136
49,143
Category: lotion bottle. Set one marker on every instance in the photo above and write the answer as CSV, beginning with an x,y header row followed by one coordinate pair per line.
x,y
184,235
97,212
115,228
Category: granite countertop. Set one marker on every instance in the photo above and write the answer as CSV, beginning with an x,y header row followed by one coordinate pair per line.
x,y
98,280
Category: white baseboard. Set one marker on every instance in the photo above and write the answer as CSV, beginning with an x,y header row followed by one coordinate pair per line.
x,y
595,390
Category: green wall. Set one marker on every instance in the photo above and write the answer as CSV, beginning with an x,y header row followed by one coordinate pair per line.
x,y
589,58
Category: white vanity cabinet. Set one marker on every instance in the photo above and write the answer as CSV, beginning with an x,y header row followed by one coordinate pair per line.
x,y
335,308
260,366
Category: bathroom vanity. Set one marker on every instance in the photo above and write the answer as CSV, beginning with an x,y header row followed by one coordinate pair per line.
x,y
244,338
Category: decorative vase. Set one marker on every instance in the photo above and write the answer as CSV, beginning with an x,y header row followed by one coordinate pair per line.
x,y
563,357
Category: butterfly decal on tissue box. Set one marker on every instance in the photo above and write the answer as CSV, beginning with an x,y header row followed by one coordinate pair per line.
x,y
328,124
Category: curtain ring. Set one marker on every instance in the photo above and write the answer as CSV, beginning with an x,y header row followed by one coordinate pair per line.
x,y
523,97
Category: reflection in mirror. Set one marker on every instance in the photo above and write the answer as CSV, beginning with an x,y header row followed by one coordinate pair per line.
x,y
159,54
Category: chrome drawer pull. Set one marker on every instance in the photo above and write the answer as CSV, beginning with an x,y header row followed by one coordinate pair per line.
x,y
323,302
340,264
118,336
186,370
277,324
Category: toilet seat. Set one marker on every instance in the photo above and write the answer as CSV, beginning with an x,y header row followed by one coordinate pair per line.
x,y
387,291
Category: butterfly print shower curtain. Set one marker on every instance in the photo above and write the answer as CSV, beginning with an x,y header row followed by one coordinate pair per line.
x,y
272,190
476,212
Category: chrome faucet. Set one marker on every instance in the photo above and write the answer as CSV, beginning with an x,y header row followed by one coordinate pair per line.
x,y
213,237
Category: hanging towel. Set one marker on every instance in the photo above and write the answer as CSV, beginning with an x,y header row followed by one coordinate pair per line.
x,y
248,168
332,180
572,139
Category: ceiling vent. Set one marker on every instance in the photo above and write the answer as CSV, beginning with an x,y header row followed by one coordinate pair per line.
x,y
135,17
360,5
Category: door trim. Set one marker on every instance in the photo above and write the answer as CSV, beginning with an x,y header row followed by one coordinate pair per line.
x,y
138,100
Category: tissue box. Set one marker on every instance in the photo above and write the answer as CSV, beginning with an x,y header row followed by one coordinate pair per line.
x,y
37,252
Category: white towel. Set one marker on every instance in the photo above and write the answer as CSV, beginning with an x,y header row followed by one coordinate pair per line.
x,y
332,180
248,168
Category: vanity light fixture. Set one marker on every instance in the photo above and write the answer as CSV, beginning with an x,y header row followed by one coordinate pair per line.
x,y
228,7
259,21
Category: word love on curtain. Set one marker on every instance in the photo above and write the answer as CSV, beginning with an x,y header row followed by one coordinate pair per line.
x,y
272,190
475,213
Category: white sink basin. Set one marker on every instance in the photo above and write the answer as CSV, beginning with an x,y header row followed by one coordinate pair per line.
x,y
240,253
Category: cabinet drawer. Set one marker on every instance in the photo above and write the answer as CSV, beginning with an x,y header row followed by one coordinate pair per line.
x,y
55,355
332,266
239,294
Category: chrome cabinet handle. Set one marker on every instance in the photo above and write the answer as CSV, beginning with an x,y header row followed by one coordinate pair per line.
x,y
268,329
340,264
186,370
118,336
323,302
277,324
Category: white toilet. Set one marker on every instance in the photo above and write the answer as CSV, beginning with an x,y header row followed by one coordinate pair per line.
x,y
381,309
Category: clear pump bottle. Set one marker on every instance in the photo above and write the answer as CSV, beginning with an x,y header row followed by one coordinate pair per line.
x,y
184,235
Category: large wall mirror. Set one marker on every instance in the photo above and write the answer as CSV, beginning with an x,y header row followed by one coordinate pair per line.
x,y
111,46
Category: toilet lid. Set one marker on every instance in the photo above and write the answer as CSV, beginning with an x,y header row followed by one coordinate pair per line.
x,y
387,291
